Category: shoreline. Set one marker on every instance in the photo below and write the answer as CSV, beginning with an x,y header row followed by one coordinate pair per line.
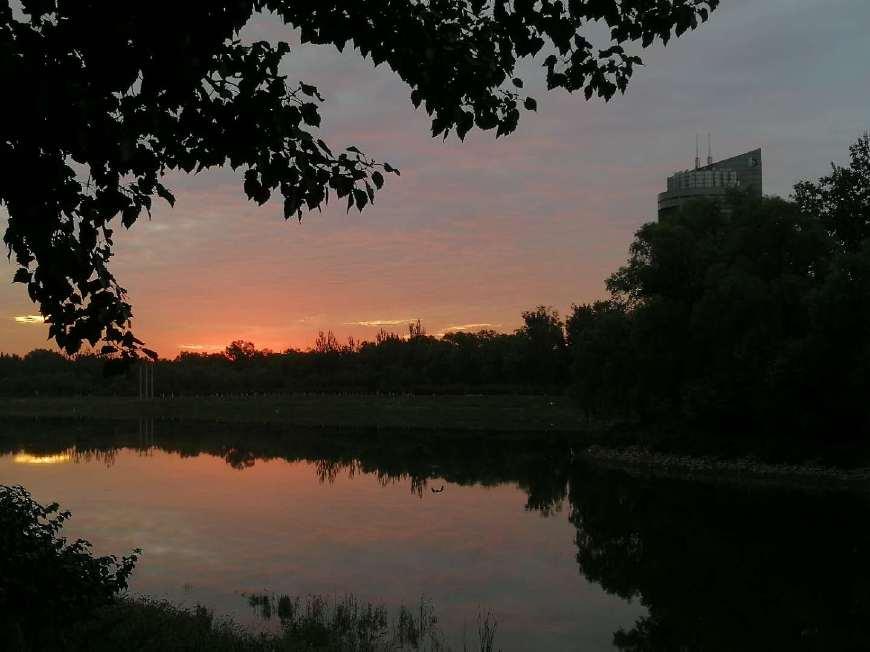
x,y
467,413
747,470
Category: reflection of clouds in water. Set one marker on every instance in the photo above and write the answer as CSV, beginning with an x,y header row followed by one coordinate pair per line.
x,y
29,319
27,458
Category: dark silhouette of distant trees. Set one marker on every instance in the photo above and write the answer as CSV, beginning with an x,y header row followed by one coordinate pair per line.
x,y
532,359
542,339
109,98
240,351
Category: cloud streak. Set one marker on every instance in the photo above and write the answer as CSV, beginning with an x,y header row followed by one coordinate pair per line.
x,y
471,327
376,323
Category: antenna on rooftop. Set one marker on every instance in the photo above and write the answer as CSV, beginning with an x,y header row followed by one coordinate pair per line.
x,y
697,153
709,150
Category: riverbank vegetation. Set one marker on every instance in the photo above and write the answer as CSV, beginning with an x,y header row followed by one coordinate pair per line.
x,y
58,595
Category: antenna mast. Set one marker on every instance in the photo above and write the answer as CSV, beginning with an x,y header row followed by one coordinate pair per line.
x,y
697,153
709,150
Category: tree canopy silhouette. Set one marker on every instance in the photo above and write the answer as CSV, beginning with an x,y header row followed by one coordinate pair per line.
x,y
108,97
757,312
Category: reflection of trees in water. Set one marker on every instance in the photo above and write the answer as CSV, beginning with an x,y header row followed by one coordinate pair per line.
x,y
239,458
726,569
717,568
328,471
106,457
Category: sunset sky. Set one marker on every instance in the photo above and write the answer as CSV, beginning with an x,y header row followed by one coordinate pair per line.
x,y
473,233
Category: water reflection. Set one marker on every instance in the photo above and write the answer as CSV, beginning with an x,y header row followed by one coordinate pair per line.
x,y
716,568
727,570
27,458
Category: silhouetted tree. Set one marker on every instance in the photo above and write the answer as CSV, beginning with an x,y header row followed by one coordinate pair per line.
x,y
842,199
240,351
110,98
751,315
599,343
543,340
326,343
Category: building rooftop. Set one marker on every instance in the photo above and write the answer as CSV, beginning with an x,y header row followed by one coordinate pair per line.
x,y
712,181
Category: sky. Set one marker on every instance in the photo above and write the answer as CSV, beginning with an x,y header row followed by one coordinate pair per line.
x,y
472,233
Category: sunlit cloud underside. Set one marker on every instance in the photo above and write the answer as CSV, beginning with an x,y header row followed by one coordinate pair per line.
x,y
381,322
470,327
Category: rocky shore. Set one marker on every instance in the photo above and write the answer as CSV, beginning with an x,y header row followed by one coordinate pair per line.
x,y
637,460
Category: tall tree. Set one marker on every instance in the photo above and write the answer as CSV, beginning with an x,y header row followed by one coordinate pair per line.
x,y
109,96
842,199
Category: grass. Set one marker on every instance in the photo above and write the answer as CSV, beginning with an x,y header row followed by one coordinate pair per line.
x,y
474,413
313,623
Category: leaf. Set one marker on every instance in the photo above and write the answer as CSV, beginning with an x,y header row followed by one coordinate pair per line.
x,y
378,179
252,184
129,215
310,114
530,104
517,82
361,198
164,194
21,276
291,207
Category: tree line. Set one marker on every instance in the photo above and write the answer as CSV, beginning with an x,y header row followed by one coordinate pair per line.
x,y
744,314
532,359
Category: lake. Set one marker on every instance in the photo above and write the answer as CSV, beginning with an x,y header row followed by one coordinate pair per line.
x,y
562,554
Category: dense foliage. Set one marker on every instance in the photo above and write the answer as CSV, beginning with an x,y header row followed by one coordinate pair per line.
x,y
108,97
47,582
753,314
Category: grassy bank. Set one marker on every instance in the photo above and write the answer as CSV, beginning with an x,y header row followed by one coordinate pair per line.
x,y
314,623
472,413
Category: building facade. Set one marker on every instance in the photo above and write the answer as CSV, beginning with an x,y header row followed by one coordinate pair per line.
x,y
713,181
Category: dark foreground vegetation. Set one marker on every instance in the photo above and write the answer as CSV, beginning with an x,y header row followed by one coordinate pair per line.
x,y
57,595
750,318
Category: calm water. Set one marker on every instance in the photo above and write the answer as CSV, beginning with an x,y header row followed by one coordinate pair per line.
x,y
564,556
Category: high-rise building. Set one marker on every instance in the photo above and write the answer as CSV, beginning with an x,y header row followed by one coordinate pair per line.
x,y
712,181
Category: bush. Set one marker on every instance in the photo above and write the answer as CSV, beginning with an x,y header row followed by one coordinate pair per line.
x,y
47,585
